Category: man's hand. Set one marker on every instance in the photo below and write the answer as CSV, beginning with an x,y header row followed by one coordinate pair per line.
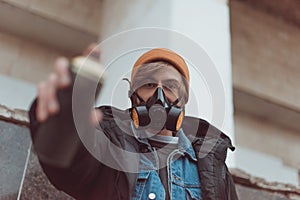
x,y
47,102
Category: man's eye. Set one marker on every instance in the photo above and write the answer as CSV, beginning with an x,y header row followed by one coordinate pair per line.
x,y
171,87
149,85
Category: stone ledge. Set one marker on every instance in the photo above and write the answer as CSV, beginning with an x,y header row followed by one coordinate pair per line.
x,y
243,178
245,100
15,116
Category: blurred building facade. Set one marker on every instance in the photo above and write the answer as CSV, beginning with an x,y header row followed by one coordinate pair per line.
x,y
265,42
265,61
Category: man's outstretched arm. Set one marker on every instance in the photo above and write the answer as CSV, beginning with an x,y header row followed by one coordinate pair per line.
x,y
63,157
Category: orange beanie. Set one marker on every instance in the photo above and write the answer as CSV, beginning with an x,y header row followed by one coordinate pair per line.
x,y
162,54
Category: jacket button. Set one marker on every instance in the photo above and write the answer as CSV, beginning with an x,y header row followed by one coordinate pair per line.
x,y
151,196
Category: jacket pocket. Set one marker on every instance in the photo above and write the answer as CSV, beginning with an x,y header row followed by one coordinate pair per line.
x,y
140,184
190,190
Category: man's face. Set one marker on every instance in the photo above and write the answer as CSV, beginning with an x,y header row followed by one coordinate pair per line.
x,y
168,78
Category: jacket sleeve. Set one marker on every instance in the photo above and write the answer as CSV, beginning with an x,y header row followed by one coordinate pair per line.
x,y
230,187
77,174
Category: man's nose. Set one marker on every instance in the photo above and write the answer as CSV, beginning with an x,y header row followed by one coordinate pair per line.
x,y
159,84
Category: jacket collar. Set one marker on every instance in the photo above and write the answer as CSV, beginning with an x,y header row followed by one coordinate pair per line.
x,y
185,146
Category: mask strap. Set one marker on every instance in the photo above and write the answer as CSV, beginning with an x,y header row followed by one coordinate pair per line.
x,y
138,96
176,101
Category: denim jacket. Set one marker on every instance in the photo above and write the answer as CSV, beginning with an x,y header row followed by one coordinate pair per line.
x,y
183,178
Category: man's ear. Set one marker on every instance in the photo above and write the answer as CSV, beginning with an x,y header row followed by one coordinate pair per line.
x,y
129,91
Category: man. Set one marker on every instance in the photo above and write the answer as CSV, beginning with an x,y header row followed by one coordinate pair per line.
x,y
176,158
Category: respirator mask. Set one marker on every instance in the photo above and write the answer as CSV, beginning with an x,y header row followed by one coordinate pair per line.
x,y
157,113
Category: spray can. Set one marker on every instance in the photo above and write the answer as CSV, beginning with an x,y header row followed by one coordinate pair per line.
x,y
57,141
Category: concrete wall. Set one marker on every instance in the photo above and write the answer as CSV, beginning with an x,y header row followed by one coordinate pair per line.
x,y
267,150
265,39
23,64
82,14
33,34
264,55
25,60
